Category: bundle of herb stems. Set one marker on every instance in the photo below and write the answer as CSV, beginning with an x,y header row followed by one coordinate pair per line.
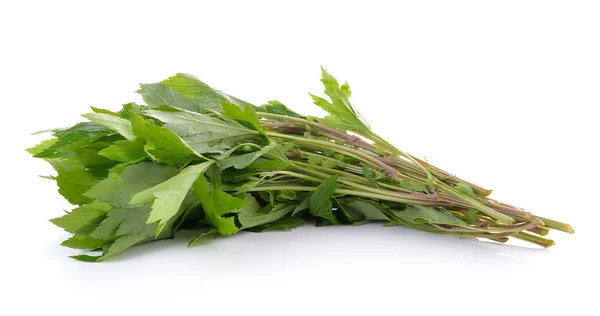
x,y
196,158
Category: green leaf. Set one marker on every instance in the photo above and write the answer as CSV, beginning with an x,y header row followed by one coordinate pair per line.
x,y
107,229
431,215
168,196
35,150
83,242
225,226
204,237
121,244
412,185
341,213
162,145
86,258
465,189
204,133
81,216
242,161
260,216
284,195
73,180
365,209
135,222
330,164
280,224
277,107
340,107
303,205
320,200
267,164
225,203
369,176
73,138
214,175
334,121
200,93
124,151
314,159
118,189
155,94
246,117
112,121
472,212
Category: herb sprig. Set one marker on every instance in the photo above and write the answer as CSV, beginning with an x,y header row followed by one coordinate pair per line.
x,y
196,158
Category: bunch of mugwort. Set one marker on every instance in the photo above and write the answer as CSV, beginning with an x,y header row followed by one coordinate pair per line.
x,y
196,158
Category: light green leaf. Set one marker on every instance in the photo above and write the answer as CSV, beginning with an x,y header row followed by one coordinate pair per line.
x,y
260,216
85,258
162,145
81,216
107,229
73,138
369,176
124,151
225,203
465,189
35,150
244,160
472,212
121,244
204,133
83,242
277,107
412,185
199,93
340,107
73,180
168,196
246,116
118,189
280,224
204,237
155,94
112,121
225,226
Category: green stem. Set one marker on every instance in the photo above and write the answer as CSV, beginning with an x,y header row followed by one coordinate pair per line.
x,y
342,192
411,196
534,239
325,145
556,225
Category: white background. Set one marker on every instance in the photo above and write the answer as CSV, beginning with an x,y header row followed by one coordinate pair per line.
x,y
503,93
